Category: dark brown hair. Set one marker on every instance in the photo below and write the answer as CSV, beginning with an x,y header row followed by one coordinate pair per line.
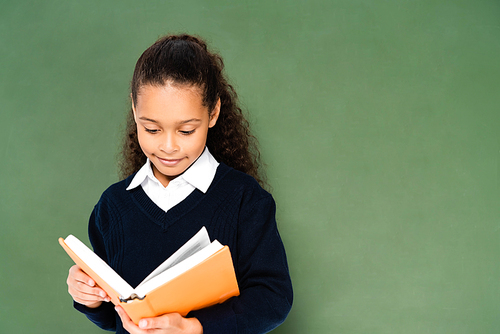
x,y
185,60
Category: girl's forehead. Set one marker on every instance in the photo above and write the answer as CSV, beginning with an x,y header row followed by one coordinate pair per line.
x,y
170,87
169,92
170,101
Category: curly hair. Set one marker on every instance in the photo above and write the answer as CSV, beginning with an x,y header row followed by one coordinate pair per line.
x,y
185,60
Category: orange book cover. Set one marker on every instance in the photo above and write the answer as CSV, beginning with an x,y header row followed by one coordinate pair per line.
x,y
208,283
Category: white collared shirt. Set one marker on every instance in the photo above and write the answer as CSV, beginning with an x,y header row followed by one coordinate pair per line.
x,y
198,176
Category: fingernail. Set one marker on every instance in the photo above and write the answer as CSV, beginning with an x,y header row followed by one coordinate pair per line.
x,y
143,323
91,283
102,294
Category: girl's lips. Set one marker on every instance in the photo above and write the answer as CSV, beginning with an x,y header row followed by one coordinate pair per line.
x,y
169,162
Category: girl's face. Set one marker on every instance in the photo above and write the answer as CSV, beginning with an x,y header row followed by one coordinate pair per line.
x,y
172,127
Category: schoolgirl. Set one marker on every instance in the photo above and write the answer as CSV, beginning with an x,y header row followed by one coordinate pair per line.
x,y
188,162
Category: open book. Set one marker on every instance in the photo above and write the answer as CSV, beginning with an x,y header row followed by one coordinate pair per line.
x,y
197,275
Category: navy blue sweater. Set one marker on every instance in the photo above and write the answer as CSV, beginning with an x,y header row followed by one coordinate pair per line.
x,y
134,236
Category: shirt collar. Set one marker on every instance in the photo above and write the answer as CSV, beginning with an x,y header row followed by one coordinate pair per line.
x,y
200,174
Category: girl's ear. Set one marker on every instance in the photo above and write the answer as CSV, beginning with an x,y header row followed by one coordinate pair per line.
x,y
133,108
214,115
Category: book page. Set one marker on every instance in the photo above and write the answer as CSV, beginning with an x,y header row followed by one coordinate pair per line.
x,y
100,267
199,241
143,289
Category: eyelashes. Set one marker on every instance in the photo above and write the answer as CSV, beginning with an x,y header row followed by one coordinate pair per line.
x,y
187,132
154,131
151,130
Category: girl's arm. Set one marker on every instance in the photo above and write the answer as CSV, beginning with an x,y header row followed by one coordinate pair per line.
x,y
101,314
262,271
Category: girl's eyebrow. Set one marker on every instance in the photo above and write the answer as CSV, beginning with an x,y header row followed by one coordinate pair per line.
x,y
190,120
181,122
148,119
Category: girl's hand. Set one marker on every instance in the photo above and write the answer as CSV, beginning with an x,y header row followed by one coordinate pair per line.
x,y
84,290
171,323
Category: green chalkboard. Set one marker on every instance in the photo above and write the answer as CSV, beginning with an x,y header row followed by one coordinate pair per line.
x,y
378,122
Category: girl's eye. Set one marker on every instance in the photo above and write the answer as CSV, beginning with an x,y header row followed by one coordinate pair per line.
x,y
151,130
187,132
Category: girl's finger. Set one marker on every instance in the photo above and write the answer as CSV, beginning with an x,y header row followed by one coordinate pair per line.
x,y
128,324
79,275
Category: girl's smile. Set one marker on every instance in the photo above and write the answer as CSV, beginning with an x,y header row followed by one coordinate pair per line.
x,y
169,162
172,126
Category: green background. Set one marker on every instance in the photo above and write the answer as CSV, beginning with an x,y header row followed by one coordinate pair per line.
x,y
378,122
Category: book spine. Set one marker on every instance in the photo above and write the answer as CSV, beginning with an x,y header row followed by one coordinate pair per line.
x,y
138,309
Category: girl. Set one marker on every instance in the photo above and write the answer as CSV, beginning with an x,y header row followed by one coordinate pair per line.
x,y
188,163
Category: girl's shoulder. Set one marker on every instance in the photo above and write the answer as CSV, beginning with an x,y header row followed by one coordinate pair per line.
x,y
117,191
230,180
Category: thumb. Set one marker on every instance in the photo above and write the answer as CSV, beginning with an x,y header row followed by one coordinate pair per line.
x,y
153,323
143,324
162,322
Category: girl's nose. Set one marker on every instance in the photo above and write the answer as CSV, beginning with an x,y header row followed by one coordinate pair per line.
x,y
169,144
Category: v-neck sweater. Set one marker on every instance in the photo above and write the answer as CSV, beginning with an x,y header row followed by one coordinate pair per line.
x,y
133,235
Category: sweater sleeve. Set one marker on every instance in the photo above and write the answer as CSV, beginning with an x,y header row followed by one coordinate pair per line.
x,y
261,268
103,316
